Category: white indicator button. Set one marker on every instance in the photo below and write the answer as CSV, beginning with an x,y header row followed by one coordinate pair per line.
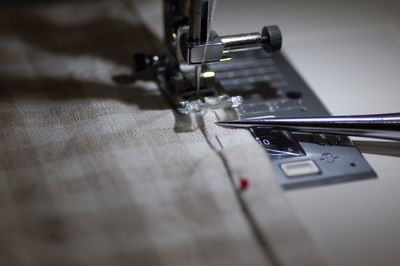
x,y
300,168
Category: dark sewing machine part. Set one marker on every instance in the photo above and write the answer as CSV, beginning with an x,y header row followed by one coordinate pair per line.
x,y
245,72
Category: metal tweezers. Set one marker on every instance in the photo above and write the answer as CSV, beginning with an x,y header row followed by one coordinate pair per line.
x,y
382,126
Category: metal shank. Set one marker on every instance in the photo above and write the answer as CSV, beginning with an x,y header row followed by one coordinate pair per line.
x,y
240,41
200,20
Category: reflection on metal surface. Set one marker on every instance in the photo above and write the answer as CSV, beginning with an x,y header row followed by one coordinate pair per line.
x,y
383,126
278,144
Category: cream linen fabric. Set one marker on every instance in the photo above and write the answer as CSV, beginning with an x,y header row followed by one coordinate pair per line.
x,y
96,169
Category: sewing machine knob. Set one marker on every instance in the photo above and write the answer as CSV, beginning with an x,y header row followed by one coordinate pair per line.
x,y
273,38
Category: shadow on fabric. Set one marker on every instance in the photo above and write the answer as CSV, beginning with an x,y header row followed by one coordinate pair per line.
x,y
101,36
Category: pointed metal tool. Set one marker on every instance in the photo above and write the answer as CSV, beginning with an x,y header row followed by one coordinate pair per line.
x,y
383,126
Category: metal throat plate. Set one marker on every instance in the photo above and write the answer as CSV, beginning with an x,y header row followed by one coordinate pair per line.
x,y
271,87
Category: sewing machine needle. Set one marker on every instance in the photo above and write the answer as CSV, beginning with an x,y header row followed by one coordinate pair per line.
x,y
199,70
384,126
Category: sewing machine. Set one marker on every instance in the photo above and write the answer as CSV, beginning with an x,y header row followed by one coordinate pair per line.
x,y
204,70
184,75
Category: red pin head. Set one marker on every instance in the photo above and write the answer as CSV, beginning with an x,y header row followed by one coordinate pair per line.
x,y
244,183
